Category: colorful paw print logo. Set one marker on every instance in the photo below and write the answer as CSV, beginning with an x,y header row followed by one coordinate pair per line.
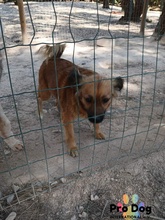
x,y
132,211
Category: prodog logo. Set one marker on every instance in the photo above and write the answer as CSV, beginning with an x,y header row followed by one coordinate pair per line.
x,y
131,210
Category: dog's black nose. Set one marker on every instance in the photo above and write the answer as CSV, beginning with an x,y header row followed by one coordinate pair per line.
x,y
96,119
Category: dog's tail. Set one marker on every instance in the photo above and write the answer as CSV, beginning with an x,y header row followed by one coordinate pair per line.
x,y
49,52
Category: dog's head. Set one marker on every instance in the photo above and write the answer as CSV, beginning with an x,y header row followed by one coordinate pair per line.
x,y
95,93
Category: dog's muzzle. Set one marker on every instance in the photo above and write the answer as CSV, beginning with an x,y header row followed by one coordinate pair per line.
x,y
96,119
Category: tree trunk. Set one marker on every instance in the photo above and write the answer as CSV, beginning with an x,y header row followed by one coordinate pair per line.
x,y
160,27
132,12
138,10
143,21
105,3
22,20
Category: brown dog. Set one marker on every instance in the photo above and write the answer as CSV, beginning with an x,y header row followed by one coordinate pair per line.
x,y
79,92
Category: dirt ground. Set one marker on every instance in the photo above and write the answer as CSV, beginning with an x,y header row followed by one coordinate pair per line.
x,y
68,201
134,126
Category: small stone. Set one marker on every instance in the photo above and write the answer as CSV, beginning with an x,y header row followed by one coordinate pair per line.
x,y
45,111
74,218
16,188
38,184
94,197
80,173
39,189
112,179
63,180
11,216
7,152
10,198
80,209
83,215
54,183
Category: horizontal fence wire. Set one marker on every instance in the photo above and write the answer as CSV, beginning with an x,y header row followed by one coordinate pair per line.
x,y
134,124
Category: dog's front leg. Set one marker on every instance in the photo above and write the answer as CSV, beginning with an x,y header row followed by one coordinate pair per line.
x,y
5,132
98,134
70,138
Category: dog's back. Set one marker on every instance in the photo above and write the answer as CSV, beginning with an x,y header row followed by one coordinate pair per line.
x,y
55,71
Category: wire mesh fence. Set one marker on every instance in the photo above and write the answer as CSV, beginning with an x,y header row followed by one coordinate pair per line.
x,y
133,125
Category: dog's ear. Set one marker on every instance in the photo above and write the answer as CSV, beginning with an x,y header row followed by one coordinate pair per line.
x,y
74,77
118,83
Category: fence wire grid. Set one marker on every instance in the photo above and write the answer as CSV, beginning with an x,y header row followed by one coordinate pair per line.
x,y
134,125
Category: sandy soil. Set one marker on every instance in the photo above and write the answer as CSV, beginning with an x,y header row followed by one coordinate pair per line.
x,y
74,198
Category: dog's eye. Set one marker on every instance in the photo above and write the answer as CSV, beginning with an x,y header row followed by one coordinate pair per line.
x,y
105,100
88,99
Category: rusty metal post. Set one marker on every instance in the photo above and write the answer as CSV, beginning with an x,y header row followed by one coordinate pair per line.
x,y
143,21
22,20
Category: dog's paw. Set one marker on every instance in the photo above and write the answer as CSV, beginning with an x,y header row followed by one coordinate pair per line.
x,y
73,152
100,136
40,115
17,146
